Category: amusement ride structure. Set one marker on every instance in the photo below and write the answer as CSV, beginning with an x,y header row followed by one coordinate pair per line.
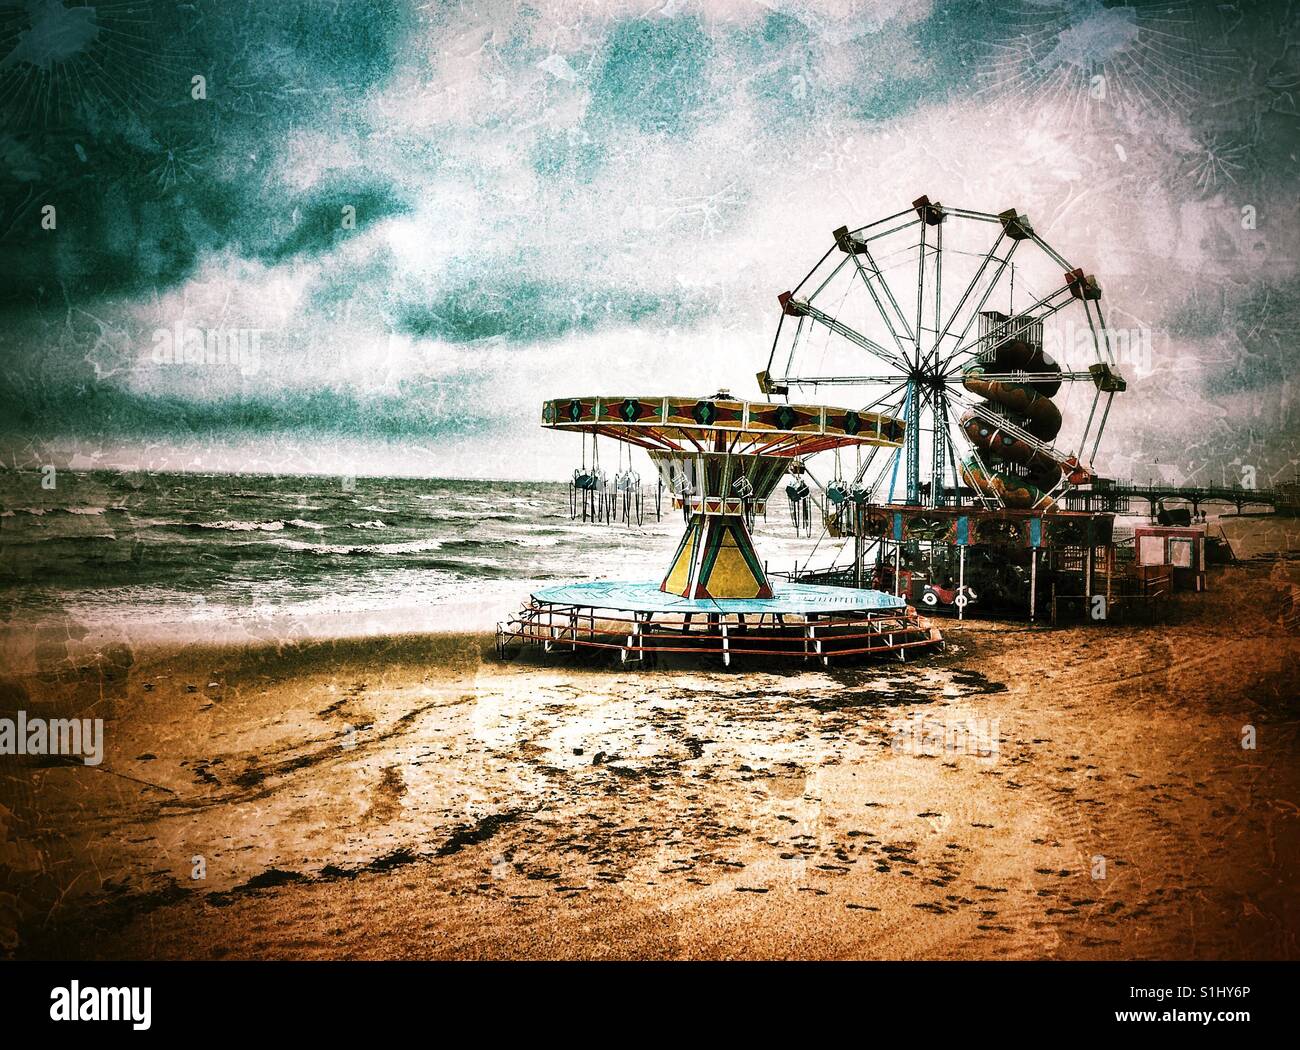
x,y
931,331
941,316
723,458
935,322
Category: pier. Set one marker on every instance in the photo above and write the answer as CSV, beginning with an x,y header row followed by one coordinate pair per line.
x,y
1117,497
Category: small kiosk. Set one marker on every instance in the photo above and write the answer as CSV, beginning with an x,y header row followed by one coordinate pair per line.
x,y
1176,550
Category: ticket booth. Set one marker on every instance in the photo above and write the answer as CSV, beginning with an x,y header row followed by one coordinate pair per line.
x,y
1178,549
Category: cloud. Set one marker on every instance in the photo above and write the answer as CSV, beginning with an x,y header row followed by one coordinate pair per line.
x,y
655,77
588,192
523,310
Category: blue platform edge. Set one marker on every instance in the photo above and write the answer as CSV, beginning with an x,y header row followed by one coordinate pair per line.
x,y
792,598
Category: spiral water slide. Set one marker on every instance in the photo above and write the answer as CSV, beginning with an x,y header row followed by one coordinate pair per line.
x,y
1018,381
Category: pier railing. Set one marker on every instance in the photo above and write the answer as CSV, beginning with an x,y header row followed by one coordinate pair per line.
x,y
1118,496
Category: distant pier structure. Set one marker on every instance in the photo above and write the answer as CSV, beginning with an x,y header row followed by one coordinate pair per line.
x,y
1117,497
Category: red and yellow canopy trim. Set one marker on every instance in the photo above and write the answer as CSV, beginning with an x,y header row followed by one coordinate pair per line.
x,y
720,425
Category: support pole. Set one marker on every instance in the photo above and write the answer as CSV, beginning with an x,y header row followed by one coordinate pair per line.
x,y
1110,574
857,546
898,568
1033,583
961,581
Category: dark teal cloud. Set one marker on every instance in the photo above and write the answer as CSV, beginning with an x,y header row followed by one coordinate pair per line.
x,y
34,407
523,309
781,59
949,48
145,178
655,77
318,220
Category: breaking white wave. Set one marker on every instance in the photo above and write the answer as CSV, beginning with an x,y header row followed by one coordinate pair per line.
x,y
407,547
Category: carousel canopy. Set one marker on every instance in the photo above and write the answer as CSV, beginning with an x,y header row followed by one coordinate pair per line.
x,y
721,424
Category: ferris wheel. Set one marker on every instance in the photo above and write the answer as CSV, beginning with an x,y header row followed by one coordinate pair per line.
x,y
969,327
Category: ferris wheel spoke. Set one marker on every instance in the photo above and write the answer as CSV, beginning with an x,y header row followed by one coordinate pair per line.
x,y
992,499
957,437
835,272
1096,442
938,443
920,297
897,451
840,380
798,308
897,388
853,248
864,468
908,336
1017,228
1003,261
952,426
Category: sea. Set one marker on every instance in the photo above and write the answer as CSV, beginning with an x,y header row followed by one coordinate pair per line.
x,y
189,553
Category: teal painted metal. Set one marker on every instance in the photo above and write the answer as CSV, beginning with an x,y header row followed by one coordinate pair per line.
x,y
795,599
913,441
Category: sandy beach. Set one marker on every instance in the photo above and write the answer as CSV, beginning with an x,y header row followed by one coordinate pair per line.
x,y
413,797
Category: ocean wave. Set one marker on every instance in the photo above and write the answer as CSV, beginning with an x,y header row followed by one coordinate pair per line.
x,y
238,526
235,525
475,515
478,544
296,548
349,550
81,512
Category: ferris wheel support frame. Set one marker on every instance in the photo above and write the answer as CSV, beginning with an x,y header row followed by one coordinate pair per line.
x,y
923,367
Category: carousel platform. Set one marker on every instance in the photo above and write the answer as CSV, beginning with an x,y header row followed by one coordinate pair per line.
x,y
638,621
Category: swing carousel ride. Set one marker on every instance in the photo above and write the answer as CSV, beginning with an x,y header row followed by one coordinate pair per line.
x,y
916,316
723,458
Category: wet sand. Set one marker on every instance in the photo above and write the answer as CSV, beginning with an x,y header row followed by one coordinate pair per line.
x,y
412,797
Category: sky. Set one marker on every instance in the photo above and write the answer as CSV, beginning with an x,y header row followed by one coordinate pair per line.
x,y
397,227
